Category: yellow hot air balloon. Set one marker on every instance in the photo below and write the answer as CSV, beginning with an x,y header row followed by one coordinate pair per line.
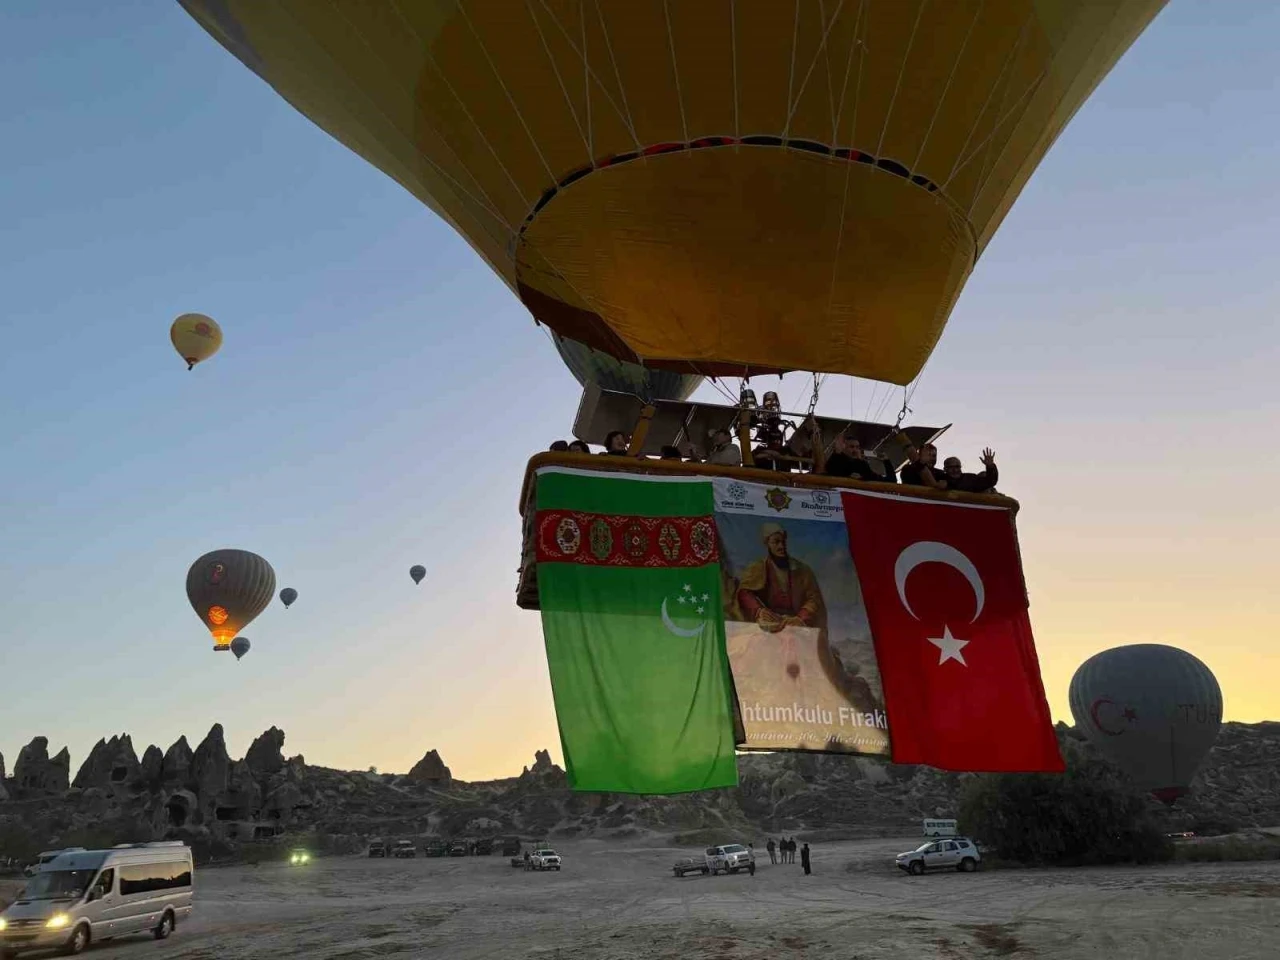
x,y
714,188
195,337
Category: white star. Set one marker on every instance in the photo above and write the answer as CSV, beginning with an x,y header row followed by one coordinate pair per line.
x,y
699,609
683,599
706,597
687,588
949,647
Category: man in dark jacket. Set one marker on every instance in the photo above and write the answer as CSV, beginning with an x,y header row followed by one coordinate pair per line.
x,y
921,469
847,460
957,479
804,859
773,850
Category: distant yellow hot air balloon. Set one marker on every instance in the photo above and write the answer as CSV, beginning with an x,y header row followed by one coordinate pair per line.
x,y
195,337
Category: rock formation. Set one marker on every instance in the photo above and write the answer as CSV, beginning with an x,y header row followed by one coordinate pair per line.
x,y
4,794
111,763
266,754
211,766
176,766
430,769
35,773
151,770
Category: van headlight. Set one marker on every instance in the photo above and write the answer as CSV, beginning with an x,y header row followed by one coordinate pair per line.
x,y
3,923
58,921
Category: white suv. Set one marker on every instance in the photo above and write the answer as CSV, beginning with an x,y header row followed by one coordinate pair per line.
x,y
956,853
544,860
730,858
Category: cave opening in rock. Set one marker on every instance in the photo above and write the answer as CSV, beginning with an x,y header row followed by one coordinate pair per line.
x,y
177,810
226,813
118,774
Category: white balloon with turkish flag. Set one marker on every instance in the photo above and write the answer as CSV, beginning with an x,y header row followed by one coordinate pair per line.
x,y
947,603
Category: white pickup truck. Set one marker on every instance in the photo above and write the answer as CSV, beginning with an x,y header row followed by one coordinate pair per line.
x,y
730,858
544,860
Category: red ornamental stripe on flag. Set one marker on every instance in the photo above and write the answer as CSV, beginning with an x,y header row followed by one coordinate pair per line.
x,y
599,539
947,605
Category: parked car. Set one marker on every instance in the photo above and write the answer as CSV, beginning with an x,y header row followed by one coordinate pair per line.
x,y
484,847
729,858
511,846
458,848
954,853
436,848
404,848
690,865
544,859
377,849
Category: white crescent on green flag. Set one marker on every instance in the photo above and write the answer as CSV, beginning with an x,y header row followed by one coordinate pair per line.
x,y
632,616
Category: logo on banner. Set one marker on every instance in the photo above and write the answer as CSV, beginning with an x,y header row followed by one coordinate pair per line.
x,y
777,498
736,490
821,504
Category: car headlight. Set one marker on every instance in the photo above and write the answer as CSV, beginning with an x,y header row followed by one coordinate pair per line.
x,y
3,923
58,921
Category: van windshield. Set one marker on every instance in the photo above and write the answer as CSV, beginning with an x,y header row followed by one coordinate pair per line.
x,y
58,885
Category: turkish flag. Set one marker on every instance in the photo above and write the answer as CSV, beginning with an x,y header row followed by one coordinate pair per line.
x,y
947,605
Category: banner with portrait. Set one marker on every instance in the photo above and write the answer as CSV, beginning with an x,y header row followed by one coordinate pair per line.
x,y
799,644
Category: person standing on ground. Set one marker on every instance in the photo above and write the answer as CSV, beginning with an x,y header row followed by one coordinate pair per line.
x,y
804,858
772,848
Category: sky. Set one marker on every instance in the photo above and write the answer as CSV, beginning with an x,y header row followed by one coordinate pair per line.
x,y
379,392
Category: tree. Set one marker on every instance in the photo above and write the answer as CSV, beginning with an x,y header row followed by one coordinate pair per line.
x,y
1085,815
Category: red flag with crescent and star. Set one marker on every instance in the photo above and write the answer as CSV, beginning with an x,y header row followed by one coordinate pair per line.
x,y
947,604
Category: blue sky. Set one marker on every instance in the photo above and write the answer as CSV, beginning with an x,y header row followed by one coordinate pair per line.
x,y
379,392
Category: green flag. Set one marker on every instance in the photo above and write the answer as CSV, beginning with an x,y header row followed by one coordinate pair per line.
x,y
629,585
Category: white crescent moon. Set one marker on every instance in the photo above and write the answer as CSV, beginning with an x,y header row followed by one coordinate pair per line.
x,y
930,551
679,631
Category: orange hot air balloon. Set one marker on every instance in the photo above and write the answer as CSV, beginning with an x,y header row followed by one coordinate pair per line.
x,y
712,188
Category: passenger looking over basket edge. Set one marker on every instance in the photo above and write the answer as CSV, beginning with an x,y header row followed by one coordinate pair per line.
x,y
848,460
956,479
919,471
616,443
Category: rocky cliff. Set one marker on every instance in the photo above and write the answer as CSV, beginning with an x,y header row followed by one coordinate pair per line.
x,y
205,796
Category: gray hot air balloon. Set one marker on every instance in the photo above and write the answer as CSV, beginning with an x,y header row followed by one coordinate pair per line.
x,y
240,646
227,589
288,595
1154,710
417,571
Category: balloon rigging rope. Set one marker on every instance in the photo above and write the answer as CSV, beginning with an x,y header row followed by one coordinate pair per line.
x,y
977,12
555,68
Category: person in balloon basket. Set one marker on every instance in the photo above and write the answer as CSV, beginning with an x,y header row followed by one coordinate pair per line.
x,y
848,460
956,479
616,443
921,468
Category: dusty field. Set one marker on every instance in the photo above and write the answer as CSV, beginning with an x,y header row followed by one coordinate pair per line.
x,y
611,904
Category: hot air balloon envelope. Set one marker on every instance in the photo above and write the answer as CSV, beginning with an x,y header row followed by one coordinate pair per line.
x,y
228,589
288,595
195,337
718,188
240,646
417,572
1155,710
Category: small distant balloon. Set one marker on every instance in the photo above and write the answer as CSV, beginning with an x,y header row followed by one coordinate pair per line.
x,y
288,595
417,571
240,646
195,337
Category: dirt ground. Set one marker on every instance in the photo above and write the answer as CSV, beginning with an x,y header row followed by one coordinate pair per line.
x,y
623,903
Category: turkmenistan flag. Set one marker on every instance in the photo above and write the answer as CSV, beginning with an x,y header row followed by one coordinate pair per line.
x,y
629,585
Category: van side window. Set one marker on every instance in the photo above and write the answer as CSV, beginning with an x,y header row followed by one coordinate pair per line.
x,y
150,877
106,882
